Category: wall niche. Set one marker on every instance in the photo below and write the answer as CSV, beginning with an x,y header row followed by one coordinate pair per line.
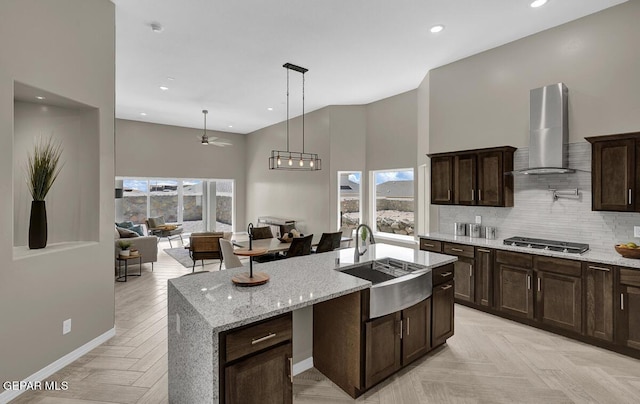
x,y
73,201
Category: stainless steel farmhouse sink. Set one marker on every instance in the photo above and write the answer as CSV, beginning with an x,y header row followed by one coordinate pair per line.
x,y
396,284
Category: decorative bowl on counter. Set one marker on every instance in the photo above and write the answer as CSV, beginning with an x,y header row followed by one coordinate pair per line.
x,y
627,252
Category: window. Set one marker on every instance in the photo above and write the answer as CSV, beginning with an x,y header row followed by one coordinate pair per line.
x,y
393,209
200,205
349,200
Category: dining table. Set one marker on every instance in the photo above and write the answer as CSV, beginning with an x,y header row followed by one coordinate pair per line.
x,y
273,245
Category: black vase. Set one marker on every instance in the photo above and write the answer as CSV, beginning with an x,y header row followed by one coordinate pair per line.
x,y
38,225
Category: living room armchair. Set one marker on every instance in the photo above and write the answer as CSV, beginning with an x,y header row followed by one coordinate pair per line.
x,y
157,227
205,246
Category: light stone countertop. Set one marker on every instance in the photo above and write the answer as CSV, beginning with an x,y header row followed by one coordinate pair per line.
x,y
294,283
602,257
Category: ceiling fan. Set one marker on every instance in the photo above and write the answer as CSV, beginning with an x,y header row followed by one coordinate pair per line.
x,y
206,140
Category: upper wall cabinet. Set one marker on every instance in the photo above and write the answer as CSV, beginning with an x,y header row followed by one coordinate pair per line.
x,y
615,172
473,177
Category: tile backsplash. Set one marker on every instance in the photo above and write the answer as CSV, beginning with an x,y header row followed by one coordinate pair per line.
x,y
536,214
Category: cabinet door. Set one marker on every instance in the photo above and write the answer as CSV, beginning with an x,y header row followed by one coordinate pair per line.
x,y
442,180
559,299
382,356
464,276
465,179
490,179
416,337
599,301
442,313
613,175
262,378
628,320
515,292
484,277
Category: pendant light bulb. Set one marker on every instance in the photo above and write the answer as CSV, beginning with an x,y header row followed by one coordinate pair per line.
x,y
290,162
301,163
279,161
311,163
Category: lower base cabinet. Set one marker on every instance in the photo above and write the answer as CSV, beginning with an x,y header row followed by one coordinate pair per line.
x,y
628,320
256,363
261,379
442,321
383,348
599,301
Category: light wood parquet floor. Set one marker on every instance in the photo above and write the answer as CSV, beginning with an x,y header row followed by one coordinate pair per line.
x,y
488,360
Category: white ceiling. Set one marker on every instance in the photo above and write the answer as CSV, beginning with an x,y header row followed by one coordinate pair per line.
x,y
227,55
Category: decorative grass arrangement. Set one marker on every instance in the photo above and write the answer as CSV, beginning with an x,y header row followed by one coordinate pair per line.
x,y
43,167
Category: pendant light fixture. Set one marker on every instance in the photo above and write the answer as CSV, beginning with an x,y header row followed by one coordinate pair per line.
x,y
290,160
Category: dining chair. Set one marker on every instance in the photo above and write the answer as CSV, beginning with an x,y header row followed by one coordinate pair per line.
x,y
260,233
230,259
300,246
329,242
204,246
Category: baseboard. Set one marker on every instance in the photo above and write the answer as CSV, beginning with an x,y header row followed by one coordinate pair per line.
x,y
303,365
50,369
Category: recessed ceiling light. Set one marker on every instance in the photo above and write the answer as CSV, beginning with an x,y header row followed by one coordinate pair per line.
x,y
170,78
156,27
231,126
40,97
143,113
269,109
164,88
436,28
538,3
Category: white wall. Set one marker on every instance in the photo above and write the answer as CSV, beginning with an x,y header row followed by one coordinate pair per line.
x,y
74,198
67,48
152,150
483,100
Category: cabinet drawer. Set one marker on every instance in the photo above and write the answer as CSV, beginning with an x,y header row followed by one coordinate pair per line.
x,y
442,274
559,266
459,249
430,245
259,336
630,277
515,259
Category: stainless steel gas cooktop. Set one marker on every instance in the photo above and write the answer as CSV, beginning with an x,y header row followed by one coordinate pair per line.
x,y
550,245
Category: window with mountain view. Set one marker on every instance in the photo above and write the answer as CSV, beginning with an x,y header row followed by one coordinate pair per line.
x,y
394,207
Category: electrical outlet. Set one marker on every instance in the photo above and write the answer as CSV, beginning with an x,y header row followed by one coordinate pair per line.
x,y
66,326
478,219
636,231
178,323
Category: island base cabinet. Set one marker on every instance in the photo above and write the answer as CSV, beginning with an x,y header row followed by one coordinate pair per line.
x,y
442,313
382,348
416,335
264,378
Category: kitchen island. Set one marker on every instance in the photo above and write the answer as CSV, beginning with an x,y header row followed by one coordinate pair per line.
x,y
202,306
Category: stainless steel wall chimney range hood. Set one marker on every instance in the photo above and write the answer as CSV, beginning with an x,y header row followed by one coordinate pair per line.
x,y
548,131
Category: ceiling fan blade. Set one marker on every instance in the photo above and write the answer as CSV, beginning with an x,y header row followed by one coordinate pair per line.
x,y
221,142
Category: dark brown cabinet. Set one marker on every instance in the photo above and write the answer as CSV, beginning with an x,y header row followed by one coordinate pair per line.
x,y
463,270
442,302
484,277
473,177
256,362
416,336
615,172
599,301
465,167
261,378
442,180
559,293
513,284
628,320
396,340
382,348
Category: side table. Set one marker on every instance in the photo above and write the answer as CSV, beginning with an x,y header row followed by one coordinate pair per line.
x,y
126,260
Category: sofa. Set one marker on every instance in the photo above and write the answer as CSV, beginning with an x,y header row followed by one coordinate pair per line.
x,y
146,245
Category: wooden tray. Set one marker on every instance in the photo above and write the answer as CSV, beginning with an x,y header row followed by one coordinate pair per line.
x,y
243,279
